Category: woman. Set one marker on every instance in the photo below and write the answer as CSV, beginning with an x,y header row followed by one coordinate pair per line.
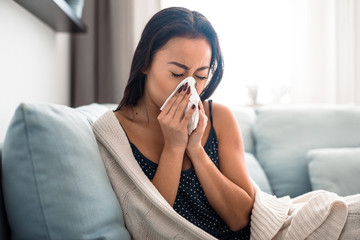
x,y
202,175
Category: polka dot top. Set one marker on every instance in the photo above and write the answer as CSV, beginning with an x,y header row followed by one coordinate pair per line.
x,y
191,202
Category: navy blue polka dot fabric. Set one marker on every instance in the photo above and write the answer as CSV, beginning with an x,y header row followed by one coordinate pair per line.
x,y
191,202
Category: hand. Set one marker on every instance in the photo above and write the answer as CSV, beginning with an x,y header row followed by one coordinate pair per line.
x,y
173,122
196,136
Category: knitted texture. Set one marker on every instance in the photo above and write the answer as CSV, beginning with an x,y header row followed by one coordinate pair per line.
x,y
315,215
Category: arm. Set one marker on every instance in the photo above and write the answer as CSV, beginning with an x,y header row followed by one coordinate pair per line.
x,y
167,175
174,128
229,189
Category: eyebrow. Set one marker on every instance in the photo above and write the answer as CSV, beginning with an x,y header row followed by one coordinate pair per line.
x,y
186,67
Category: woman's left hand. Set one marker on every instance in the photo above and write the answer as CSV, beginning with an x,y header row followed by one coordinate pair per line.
x,y
196,136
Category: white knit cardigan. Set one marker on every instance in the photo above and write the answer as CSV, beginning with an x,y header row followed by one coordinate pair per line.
x,y
316,215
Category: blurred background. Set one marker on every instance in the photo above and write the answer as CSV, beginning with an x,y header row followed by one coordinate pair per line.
x,y
283,52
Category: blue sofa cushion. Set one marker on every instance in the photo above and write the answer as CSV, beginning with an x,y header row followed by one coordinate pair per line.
x,y
257,173
335,169
55,183
285,134
4,225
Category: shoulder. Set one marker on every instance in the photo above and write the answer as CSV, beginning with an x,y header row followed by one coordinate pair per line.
x,y
222,114
123,115
223,119
105,120
220,109
217,109
106,127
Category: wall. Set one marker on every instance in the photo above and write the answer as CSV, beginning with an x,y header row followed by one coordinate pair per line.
x,y
34,62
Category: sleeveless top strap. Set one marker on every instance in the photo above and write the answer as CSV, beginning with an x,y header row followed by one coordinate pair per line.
x,y
210,109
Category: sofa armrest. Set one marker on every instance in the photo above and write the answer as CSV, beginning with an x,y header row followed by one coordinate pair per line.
x,y
53,174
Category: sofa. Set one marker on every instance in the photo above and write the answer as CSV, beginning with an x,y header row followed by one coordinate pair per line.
x,y
54,184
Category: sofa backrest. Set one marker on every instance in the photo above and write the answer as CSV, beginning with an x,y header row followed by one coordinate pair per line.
x,y
284,135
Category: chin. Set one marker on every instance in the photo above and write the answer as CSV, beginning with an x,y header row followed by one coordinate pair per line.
x,y
159,102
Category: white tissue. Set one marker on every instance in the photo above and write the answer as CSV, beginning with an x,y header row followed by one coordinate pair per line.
x,y
194,100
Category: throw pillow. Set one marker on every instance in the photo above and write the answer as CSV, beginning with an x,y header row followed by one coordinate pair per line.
x,y
335,169
283,135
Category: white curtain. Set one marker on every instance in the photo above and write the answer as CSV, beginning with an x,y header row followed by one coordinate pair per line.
x,y
348,51
326,56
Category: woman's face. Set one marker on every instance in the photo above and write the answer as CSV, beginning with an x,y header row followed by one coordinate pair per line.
x,y
178,59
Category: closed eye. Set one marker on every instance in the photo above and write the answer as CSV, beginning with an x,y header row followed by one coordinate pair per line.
x,y
177,75
201,78
182,75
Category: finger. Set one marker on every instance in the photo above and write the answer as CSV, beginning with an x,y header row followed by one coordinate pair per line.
x,y
202,118
189,114
200,123
203,121
172,100
175,108
202,115
201,107
182,106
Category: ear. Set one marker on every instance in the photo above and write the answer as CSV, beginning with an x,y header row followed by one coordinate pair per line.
x,y
144,71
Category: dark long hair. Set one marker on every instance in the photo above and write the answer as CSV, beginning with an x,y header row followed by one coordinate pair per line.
x,y
163,26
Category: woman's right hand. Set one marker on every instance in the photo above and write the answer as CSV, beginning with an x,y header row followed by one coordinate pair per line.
x,y
172,120
173,125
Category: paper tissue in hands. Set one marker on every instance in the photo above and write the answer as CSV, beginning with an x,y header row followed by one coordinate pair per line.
x,y
194,99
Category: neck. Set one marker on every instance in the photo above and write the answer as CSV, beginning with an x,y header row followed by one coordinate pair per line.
x,y
146,112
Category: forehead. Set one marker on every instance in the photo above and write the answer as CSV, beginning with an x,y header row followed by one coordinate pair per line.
x,y
187,49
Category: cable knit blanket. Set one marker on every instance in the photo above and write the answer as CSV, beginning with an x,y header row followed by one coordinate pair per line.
x,y
315,215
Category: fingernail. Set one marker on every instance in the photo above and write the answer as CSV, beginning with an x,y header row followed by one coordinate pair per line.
x,y
188,91
199,106
180,88
196,85
193,106
185,86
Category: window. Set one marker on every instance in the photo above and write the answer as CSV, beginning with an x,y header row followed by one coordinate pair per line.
x,y
285,51
255,37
